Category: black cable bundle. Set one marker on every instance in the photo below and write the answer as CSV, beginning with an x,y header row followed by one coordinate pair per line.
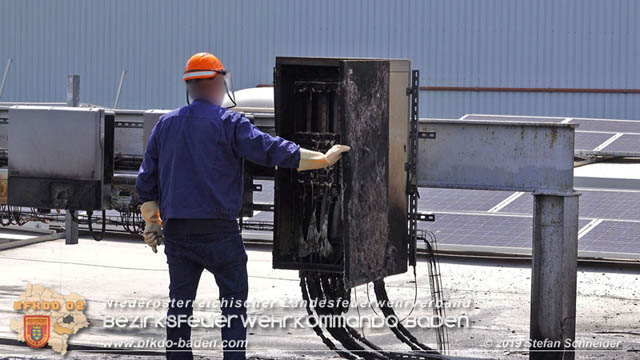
x,y
104,225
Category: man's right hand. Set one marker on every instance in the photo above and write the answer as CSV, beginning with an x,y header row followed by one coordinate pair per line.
x,y
311,160
335,153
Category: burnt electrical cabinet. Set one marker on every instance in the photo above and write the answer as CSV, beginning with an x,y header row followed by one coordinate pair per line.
x,y
352,217
60,157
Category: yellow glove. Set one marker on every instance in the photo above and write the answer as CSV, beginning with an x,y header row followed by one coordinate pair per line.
x,y
153,225
335,153
311,160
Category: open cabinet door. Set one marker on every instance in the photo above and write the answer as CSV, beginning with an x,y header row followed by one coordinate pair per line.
x,y
350,218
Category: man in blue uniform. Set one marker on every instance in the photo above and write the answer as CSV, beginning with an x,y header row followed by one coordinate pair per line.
x,y
191,178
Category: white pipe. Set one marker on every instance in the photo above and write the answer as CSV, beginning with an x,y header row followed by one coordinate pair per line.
x,y
6,74
115,103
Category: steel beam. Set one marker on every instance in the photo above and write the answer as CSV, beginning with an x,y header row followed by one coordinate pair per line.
x,y
496,155
554,273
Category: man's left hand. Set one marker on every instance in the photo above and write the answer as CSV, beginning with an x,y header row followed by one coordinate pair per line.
x,y
153,235
153,225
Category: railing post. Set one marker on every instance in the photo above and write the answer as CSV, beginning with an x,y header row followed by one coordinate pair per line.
x,y
73,99
554,276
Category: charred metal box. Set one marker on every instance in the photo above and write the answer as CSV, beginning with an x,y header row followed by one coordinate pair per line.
x,y
352,217
60,157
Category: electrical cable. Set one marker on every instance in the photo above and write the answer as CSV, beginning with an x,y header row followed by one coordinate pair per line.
x,y
2,217
16,216
73,216
399,330
339,333
316,328
104,225
369,300
415,294
332,287
355,292
435,282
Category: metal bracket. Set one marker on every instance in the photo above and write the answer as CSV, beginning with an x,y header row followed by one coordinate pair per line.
x,y
423,217
263,207
411,165
412,189
426,134
129,124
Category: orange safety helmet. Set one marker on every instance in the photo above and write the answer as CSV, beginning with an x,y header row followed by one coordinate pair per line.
x,y
203,65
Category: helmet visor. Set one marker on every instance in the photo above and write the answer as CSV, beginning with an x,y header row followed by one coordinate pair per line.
x,y
228,84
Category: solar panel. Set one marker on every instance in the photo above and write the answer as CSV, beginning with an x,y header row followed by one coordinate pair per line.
x,y
627,143
610,205
456,199
612,236
589,141
623,137
484,230
614,126
521,205
593,204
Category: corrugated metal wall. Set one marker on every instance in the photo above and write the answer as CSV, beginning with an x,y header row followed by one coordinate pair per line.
x,y
490,43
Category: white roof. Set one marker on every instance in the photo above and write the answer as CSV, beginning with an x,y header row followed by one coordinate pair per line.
x,y
622,176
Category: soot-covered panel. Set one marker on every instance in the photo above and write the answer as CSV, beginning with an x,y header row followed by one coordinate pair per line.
x,y
366,175
337,219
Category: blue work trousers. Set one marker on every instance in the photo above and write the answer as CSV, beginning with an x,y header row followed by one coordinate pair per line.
x,y
224,255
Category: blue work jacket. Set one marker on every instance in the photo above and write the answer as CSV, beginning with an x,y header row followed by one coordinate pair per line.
x,y
193,162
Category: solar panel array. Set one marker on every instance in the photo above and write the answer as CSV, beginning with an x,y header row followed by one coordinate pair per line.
x,y
609,221
502,221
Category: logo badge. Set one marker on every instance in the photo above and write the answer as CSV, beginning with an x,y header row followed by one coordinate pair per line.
x,y
36,330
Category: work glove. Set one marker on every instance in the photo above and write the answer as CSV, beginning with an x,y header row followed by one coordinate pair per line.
x,y
311,160
153,225
335,153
